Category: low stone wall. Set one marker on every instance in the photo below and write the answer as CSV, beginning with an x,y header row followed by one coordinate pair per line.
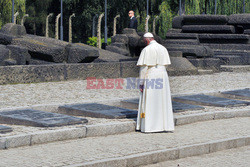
x,y
63,72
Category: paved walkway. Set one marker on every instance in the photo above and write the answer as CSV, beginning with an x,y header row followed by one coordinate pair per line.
x,y
75,91
238,157
114,146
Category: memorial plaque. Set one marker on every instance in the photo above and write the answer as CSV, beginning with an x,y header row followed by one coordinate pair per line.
x,y
241,94
201,99
177,106
5,129
38,118
97,110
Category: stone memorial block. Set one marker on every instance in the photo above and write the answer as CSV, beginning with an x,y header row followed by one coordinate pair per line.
x,y
77,53
41,50
5,129
118,50
231,60
4,54
38,118
224,38
239,19
191,50
201,99
241,94
181,36
182,42
215,29
226,47
98,111
13,30
177,106
5,39
205,20
177,22
20,54
122,38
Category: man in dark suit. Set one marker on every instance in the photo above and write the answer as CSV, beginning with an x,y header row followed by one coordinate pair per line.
x,y
133,20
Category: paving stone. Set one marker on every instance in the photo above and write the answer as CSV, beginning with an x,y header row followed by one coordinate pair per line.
x,y
38,118
97,110
241,93
201,99
5,129
177,106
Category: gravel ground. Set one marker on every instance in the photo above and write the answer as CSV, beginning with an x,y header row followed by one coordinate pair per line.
x,y
97,148
68,92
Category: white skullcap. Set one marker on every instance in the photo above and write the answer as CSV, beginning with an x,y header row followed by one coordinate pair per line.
x,y
148,35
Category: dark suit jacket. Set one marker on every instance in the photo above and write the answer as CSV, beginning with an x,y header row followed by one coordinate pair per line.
x,y
133,23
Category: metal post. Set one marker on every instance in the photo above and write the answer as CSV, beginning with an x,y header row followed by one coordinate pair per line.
x,y
94,25
106,28
61,20
180,8
215,6
147,8
13,5
244,5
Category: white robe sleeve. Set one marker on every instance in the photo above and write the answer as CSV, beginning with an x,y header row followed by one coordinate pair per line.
x,y
143,73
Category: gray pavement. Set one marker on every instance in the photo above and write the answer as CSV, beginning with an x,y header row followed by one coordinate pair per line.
x,y
93,149
238,157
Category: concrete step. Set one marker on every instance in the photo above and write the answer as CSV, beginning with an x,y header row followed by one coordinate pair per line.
x,y
224,38
134,149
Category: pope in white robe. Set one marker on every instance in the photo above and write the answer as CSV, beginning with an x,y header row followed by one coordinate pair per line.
x,y
155,112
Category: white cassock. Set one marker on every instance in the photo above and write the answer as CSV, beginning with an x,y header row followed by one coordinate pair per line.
x,y
155,101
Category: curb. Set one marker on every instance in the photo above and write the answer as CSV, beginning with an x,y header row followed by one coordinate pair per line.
x,y
108,129
169,154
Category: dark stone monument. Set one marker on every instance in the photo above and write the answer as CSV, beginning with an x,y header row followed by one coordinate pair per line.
x,y
38,118
98,111
5,129
201,99
177,106
240,94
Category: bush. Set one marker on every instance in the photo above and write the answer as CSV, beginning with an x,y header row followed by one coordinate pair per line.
x,y
92,41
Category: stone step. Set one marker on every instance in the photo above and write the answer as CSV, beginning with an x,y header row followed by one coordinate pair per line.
x,y
235,68
214,29
205,72
231,60
135,149
231,47
191,50
181,42
181,36
224,38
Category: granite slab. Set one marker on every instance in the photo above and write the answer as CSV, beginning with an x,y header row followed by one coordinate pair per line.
x,y
98,111
5,129
202,99
240,93
38,118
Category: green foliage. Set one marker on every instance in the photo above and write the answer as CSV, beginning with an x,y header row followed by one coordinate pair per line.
x,y
92,41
